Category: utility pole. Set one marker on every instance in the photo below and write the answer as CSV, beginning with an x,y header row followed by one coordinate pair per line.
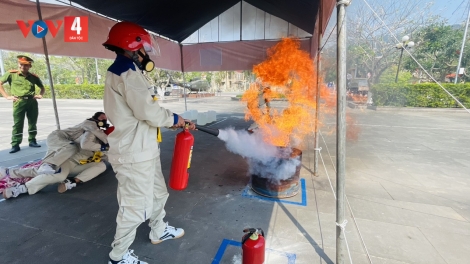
x,y
461,49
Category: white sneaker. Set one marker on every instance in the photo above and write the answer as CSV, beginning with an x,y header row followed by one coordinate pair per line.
x,y
129,258
46,168
66,185
3,172
14,191
170,232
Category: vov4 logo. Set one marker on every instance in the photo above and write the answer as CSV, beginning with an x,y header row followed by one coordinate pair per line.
x,y
75,28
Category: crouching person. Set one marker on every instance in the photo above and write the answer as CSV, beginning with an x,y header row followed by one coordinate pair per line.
x,y
82,167
60,143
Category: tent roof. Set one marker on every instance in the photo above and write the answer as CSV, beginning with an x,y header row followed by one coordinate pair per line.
x,y
175,20
178,19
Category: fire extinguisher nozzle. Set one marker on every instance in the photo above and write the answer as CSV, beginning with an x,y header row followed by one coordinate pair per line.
x,y
247,230
214,132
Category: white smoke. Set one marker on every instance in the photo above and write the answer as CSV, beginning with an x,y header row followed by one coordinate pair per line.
x,y
264,160
237,259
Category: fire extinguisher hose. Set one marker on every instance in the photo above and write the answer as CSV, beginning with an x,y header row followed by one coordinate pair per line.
x,y
214,132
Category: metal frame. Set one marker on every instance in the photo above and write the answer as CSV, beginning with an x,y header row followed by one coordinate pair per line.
x,y
51,82
341,131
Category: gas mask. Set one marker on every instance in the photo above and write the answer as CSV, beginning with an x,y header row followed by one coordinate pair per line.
x,y
147,64
102,124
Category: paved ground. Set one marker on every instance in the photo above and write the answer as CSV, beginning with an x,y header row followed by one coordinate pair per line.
x,y
407,186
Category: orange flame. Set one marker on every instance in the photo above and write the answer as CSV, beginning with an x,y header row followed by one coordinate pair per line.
x,y
357,98
288,72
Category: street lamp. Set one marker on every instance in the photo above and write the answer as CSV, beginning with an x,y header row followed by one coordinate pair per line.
x,y
406,43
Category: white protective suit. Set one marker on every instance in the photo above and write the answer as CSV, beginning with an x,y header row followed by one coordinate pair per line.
x,y
134,153
59,147
88,144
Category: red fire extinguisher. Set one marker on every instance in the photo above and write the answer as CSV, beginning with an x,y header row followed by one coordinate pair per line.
x,y
253,245
181,162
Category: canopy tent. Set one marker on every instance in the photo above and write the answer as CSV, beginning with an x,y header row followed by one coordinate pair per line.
x,y
173,21
177,20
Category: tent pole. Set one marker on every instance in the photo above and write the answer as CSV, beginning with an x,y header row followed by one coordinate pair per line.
x,y
341,131
264,29
51,82
241,19
182,70
2,68
97,72
317,107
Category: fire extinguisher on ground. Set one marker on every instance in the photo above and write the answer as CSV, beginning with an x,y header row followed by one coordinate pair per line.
x,y
181,162
253,246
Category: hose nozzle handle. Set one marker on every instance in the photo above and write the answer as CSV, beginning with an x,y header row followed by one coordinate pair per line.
x,y
214,132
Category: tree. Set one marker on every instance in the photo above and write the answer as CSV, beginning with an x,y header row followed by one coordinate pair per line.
x,y
371,47
10,61
65,70
438,49
328,64
219,78
86,68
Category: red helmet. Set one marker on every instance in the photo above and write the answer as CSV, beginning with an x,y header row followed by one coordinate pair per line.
x,y
128,36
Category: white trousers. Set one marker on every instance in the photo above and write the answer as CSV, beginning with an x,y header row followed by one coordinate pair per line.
x,y
84,173
141,195
59,148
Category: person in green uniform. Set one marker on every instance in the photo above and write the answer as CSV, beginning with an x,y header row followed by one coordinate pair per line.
x,y
23,95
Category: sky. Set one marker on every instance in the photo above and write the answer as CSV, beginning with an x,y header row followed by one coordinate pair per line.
x,y
455,11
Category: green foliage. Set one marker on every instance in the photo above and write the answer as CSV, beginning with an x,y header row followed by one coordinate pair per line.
x,y
65,70
219,78
390,74
190,76
420,95
76,91
71,91
438,49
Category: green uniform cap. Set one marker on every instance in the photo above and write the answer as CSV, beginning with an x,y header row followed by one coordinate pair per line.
x,y
24,59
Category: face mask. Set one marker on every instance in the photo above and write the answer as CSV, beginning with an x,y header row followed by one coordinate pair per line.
x,y
102,123
146,65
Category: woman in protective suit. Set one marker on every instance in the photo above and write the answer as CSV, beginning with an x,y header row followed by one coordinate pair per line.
x,y
134,151
60,143
81,167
